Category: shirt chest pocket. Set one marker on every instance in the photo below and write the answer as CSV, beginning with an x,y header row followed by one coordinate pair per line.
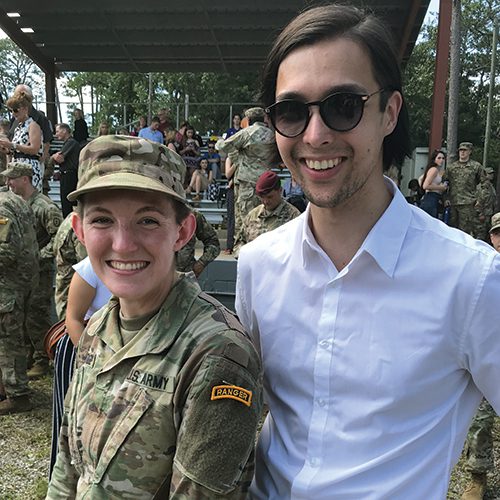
x,y
98,432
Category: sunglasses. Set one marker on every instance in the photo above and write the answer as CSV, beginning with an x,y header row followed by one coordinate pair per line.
x,y
14,110
341,111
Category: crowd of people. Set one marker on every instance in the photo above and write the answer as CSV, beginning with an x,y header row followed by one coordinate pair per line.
x,y
159,390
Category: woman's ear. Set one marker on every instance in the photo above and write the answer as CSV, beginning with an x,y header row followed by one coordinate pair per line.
x,y
77,225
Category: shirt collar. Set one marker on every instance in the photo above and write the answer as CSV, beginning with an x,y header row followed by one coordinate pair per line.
x,y
383,242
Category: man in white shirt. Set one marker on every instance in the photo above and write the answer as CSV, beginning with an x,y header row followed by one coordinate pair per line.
x,y
377,324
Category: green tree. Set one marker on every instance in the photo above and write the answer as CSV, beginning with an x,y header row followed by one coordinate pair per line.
x,y
120,97
16,68
477,30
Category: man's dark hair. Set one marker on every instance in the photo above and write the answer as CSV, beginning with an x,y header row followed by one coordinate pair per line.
x,y
342,21
64,126
155,119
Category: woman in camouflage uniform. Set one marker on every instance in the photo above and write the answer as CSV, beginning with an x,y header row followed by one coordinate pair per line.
x,y
166,394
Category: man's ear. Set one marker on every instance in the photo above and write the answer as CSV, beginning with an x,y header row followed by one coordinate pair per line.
x,y
392,109
77,225
186,231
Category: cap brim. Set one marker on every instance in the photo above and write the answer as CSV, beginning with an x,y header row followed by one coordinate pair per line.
x,y
494,228
125,180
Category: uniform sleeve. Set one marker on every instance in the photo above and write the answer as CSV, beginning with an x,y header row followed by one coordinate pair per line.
x,y
64,479
10,242
215,446
53,219
481,346
207,234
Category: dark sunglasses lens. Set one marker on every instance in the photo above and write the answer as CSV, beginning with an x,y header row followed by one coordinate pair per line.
x,y
342,111
15,110
289,117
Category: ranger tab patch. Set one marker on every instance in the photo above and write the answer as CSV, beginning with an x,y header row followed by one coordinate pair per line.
x,y
232,392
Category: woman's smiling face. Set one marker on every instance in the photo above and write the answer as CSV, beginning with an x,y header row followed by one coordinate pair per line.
x,y
131,238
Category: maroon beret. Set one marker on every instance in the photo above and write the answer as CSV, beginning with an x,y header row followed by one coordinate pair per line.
x,y
267,182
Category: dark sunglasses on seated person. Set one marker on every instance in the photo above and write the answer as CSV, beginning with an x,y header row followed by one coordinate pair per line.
x,y
14,110
341,111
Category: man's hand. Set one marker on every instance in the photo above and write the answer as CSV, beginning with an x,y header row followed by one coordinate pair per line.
x,y
58,158
198,268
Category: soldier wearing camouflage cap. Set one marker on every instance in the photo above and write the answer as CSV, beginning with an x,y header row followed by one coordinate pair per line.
x,y
166,394
48,218
464,177
253,151
18,276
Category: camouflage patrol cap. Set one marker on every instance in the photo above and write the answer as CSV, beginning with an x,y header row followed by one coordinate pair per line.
x,y
255,114
465,145
122,162
17,169
495,222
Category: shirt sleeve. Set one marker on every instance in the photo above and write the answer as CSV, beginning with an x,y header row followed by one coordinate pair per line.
x,y
482,339
68,147
215,445
86,272
52,221
207,234
64,479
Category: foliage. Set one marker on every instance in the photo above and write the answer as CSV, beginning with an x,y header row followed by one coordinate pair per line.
x,y
122,97
477,33
16,68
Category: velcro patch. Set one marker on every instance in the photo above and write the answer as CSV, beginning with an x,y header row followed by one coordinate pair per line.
x,y
232,392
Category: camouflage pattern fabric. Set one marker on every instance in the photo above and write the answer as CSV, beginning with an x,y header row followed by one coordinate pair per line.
x,y
185,259
18,275
253,151
245,200
68,251
479,445
260,221
48,218
485,208
117,161
464,217
463,179
180,402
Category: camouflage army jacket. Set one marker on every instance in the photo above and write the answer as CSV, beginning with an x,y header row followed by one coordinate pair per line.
x,y
259,221
184,259
463,180
68,251
486,199
48,218
253,150
179,402
18,249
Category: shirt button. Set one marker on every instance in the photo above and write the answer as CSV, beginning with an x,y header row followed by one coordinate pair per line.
x,y
321,402
313,462
325,344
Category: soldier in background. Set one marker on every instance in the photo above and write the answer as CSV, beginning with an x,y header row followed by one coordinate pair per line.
x,y
485,205
68,251
253,151
479,445
185,260
463,176
18,275
273,212
48,218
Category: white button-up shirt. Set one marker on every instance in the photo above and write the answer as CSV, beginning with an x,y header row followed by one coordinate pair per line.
x,y
372,374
